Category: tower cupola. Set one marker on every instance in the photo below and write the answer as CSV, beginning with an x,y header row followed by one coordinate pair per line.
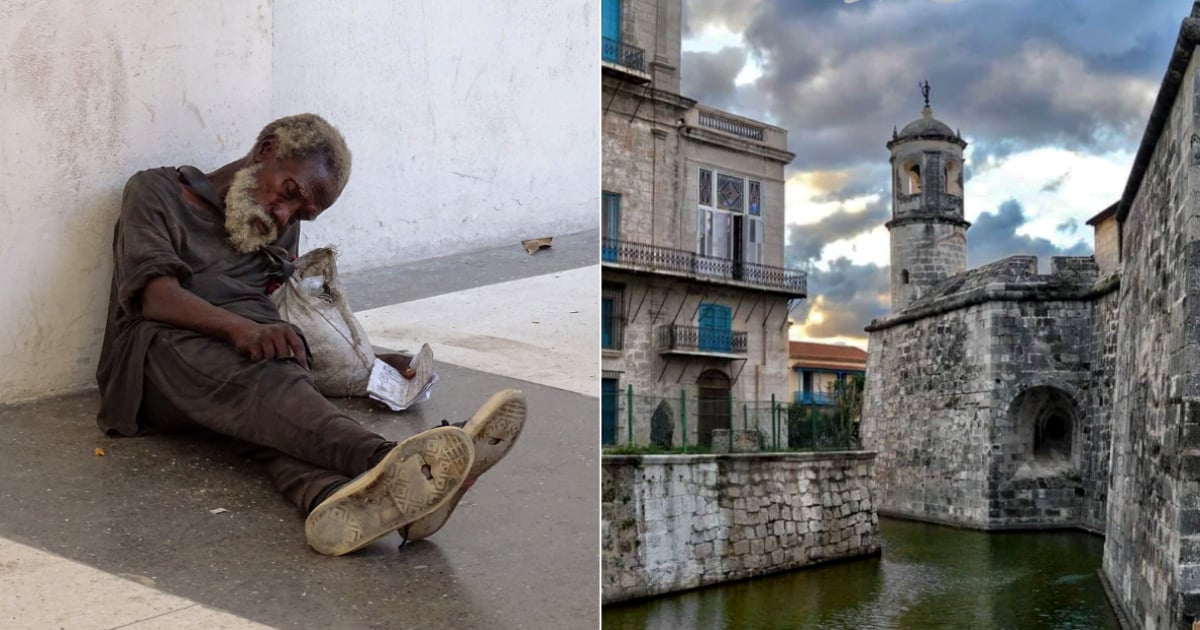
x,y
927,229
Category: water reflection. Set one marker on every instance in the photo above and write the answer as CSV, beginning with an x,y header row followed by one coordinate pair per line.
x,y
928,577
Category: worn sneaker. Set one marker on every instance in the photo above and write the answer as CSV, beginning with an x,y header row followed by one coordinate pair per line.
x,y
413,480
494,429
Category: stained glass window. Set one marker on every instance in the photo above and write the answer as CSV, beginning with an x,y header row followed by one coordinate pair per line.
x,y
705,187
730,193
755,197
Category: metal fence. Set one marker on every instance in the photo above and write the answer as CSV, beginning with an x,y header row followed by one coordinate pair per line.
x,y
684,421
640,255
623,54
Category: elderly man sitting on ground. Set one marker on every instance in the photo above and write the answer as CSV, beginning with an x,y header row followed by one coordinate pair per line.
x,y
194,345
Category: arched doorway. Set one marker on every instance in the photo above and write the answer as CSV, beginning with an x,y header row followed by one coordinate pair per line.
x,y
714,404
1046,420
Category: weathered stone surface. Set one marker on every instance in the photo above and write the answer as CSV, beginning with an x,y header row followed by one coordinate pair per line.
x,y
720,441
1001,397
650,547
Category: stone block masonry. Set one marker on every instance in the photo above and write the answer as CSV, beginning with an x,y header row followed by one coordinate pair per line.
x,y
676,522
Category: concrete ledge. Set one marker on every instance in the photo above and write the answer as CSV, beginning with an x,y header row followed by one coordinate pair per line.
x,y
990,527
685,458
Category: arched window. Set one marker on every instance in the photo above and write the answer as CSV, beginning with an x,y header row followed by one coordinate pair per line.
x,y
954,178
903,276
912,172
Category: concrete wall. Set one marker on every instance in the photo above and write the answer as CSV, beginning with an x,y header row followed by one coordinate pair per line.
x,y
471,125
655,27
671,523
1152,548
641,151
91,94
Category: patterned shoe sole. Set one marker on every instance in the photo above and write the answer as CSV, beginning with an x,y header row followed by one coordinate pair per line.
x,y
494,429
416,478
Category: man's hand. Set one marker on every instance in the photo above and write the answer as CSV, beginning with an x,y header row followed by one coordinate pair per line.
x,y
263,342
399,361
163,300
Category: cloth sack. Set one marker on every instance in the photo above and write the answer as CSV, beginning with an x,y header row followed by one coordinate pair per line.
x,y
312,299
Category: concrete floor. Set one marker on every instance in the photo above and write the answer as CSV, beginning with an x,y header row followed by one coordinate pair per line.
x,y
520,551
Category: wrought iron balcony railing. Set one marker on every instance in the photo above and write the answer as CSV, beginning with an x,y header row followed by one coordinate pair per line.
x,y
623,54
700,340
722,270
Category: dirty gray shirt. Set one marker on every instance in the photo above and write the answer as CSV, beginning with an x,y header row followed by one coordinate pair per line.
x,y
160,233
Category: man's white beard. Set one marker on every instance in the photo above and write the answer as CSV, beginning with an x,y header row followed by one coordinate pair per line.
x,y
241,209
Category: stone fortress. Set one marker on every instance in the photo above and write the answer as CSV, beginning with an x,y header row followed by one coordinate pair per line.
x,y
1000,397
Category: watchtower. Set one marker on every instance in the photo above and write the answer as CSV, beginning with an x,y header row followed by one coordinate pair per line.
x,y
928,232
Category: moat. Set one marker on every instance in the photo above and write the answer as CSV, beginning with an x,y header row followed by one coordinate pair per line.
x,y
928,576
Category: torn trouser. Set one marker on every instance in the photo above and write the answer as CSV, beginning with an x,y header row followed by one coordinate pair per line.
x,y
194,382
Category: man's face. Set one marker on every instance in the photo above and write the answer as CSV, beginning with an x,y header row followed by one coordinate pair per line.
x,y
272,194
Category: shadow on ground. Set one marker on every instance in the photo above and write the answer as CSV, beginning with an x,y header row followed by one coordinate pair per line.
x,y
520,551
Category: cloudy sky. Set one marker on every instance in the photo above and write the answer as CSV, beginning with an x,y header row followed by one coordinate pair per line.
x,y
1052,97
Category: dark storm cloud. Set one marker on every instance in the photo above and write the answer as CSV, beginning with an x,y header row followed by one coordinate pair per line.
x,y
805,242
994,236
710,76
851,295
1011,73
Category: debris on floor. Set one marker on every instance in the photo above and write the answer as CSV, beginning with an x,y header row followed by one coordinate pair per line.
x,y
535,245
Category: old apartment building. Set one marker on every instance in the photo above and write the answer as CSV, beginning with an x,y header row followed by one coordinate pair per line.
x,y
695,297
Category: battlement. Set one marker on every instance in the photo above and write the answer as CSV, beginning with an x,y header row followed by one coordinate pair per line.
x,y
1015,278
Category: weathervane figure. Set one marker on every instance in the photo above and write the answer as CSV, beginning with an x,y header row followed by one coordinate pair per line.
x,y
925,91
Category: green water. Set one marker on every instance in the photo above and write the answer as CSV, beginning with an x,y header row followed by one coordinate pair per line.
x,y
928,577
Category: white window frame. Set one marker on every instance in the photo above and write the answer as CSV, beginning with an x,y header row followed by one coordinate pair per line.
x,y
707,211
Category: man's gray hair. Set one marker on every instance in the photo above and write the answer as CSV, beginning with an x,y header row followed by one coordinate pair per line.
x,y
308,135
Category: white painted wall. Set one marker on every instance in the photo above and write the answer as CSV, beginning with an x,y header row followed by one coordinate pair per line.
x,y
471,125
89,95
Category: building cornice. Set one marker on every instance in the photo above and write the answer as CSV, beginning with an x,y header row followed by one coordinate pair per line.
x,y
736,144
926,218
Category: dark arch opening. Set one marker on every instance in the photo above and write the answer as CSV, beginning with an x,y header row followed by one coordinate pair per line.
x,y
1051,437
903,276
1046,417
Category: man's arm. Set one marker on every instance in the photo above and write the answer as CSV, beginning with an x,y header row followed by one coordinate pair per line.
x,y
163,300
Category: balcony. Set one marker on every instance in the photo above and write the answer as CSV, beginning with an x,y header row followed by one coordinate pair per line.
x,y
676,262
719,126
730,125
702,342
624,60
814,398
